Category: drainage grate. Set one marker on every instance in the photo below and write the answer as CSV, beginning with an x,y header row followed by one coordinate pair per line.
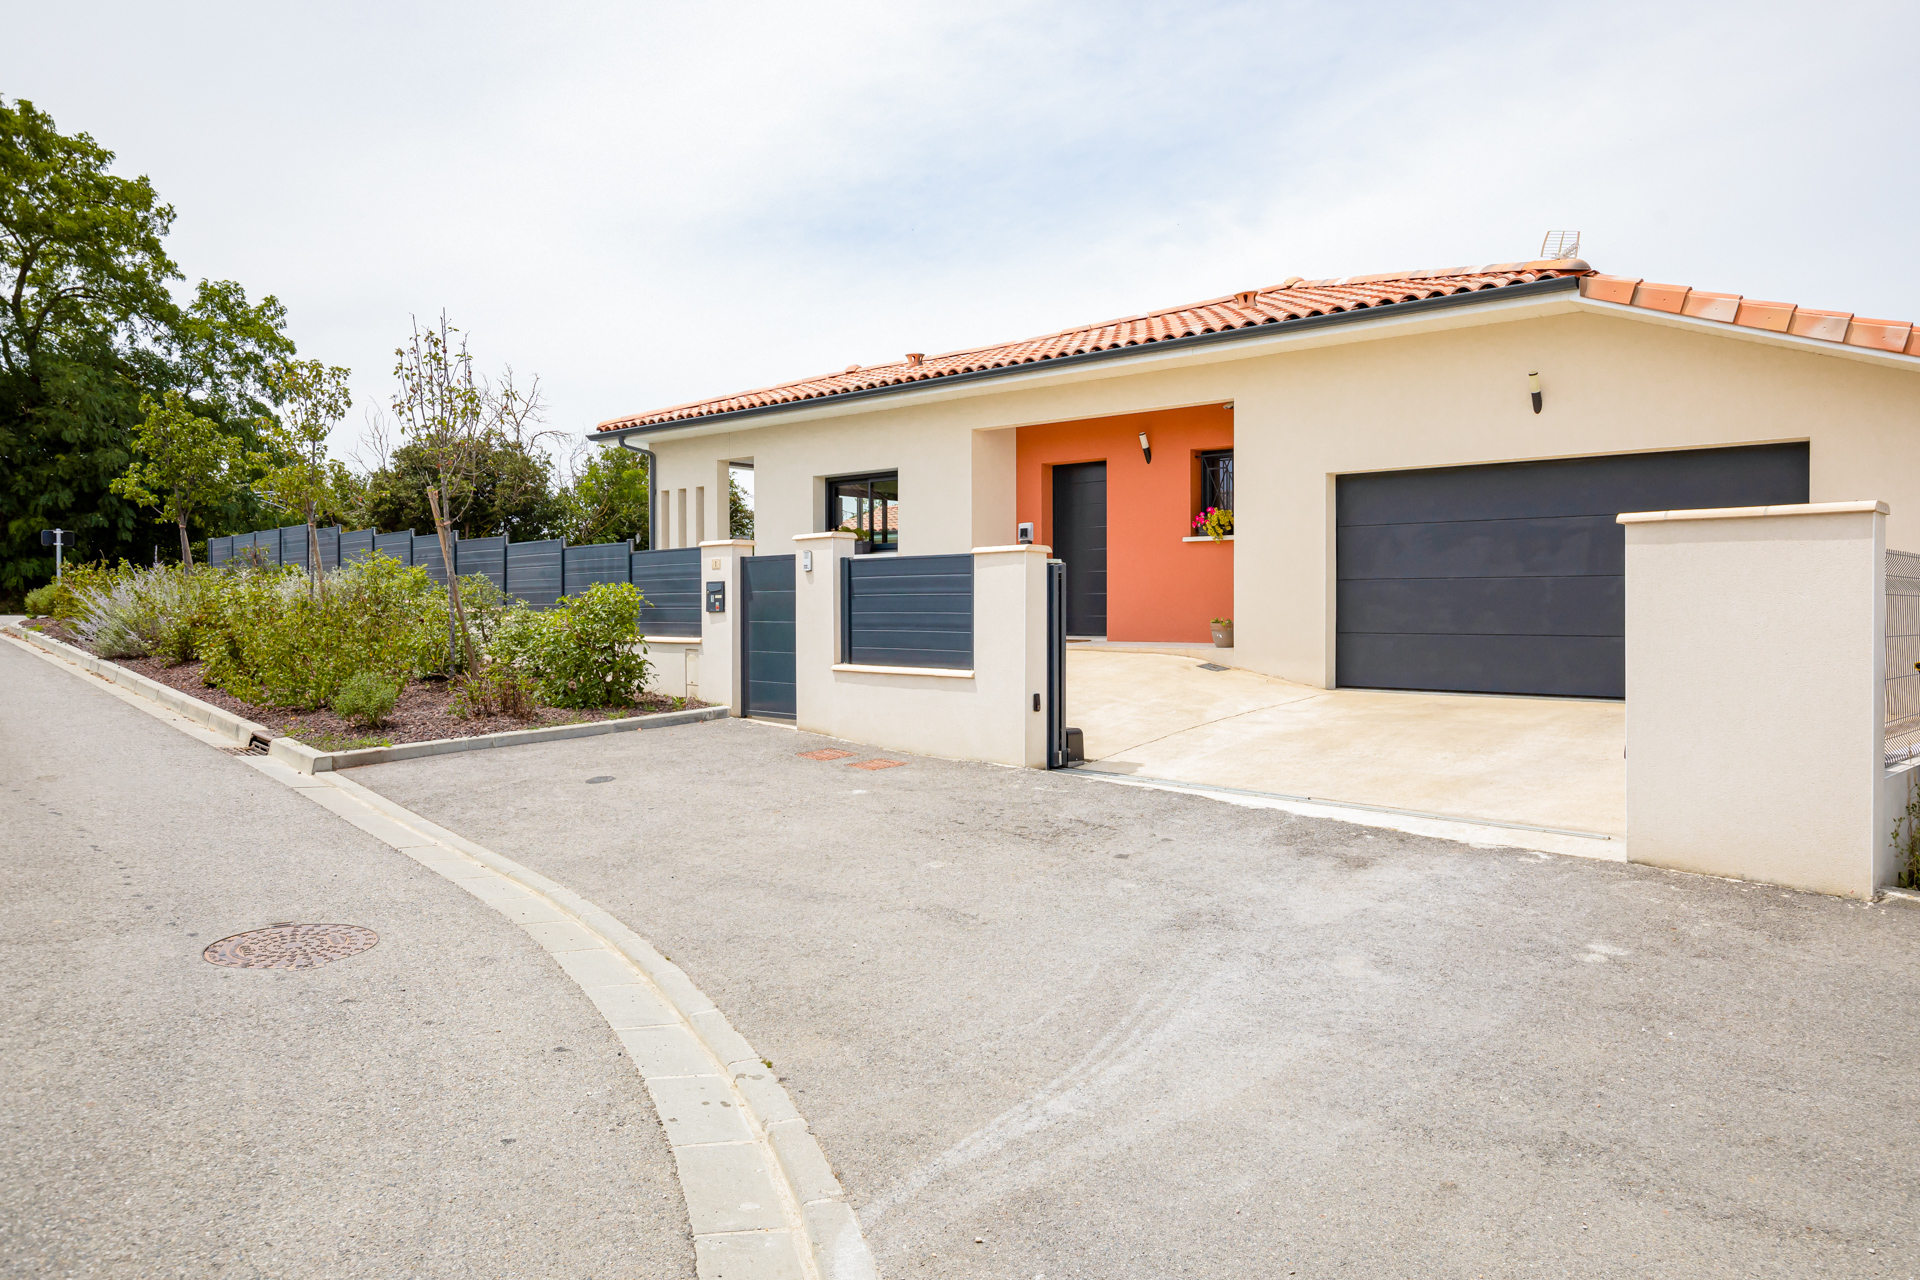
x,y
875,764
256,746
1211,666
290,946
825,753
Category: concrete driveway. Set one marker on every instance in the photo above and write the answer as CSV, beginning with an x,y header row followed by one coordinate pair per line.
x,y
1550,762
1045,1025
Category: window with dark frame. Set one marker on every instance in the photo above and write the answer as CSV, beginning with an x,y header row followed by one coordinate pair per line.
x,y
870,506
1216,479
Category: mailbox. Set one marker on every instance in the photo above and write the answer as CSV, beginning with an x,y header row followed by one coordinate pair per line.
x,y
716,597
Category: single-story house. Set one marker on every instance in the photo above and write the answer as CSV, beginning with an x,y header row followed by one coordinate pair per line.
x,y
1423,467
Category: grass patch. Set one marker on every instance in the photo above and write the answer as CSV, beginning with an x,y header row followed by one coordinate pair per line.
x,y
327,741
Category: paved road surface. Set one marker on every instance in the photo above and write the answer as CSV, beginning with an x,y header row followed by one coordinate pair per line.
x,y
445,1104
1048,1025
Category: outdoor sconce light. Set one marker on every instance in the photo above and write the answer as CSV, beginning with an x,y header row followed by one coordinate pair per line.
x,y
1533,386
1146,449
1026,533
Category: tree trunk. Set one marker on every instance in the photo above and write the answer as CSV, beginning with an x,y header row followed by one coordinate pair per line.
x,y
186,548
314,586
458,611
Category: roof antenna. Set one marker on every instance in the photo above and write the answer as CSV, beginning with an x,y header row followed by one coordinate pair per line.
x,y
1560,244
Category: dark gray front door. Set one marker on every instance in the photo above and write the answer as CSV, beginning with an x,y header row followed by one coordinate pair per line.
x,y
766,632
1080,539
1510,578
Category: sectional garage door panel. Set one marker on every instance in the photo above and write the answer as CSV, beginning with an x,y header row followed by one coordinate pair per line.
x,y
1509,578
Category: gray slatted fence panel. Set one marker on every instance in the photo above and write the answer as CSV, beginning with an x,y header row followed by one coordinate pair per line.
x,y
601,562
909,611
426,553
329,547
398,545
220,550
356,544
486,557
293,544
669,582
533,571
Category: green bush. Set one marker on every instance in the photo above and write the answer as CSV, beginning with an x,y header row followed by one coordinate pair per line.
x,y
366,699
584,652
40,600
276,642
130,613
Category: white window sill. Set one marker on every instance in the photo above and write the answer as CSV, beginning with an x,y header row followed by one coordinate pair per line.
x,y
671,639
1204,538
947,672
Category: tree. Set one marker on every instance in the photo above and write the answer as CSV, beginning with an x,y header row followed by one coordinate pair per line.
x,y
189,462
87,329
739,511
508,492
313,398
607,501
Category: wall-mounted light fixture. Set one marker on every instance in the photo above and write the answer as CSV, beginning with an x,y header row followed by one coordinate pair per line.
x,y
1146,449
1533,386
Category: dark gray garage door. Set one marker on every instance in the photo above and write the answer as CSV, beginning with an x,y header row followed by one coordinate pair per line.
x,y
1509,578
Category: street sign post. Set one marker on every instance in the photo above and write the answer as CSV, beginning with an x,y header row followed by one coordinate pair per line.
x,y
57,539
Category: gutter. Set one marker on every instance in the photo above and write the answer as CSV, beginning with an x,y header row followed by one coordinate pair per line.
x,y
1447,302
653,489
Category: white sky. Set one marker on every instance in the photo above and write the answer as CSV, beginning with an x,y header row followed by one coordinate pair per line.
x,y
650,203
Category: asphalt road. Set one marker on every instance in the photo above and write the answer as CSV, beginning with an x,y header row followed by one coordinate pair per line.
x,y
1046,1025
447,1103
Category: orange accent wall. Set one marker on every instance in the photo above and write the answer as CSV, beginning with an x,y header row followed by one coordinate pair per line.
x,y
1158,587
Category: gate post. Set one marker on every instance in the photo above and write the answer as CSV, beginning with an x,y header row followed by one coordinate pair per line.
x,y
713,674
818,627
1010,651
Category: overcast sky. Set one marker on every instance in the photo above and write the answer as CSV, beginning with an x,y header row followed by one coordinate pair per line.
x,y
651,203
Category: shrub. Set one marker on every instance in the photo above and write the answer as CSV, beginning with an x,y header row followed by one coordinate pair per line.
x,y
496,689
366,699
280,644
585,651
130,613
40,600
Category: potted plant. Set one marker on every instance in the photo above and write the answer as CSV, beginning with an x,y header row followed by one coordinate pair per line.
x,y
1223,633
1215,523
864,544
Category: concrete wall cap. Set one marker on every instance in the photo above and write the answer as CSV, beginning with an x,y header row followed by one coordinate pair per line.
x,y
1749,513
729,542
809,537
1034,548
670,639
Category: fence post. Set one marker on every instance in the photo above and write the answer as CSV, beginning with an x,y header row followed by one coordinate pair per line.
x,y
1010,650
713,672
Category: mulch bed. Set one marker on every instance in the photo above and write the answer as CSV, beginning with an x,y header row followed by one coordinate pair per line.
x,y
420,714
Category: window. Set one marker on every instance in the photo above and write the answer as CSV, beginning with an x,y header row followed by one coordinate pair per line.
x,y
868,505
1216,479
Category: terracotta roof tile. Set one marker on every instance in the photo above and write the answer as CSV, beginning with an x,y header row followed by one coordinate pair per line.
x,y
1295,299
1298,299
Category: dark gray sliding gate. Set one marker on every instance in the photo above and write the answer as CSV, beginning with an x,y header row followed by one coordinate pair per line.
x,y
669,582
908,611
766,637
1509,577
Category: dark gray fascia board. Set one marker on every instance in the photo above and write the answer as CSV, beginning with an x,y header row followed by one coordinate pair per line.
x,y
1444,303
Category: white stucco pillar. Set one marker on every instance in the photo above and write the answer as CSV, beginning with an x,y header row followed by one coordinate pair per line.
x,y
1755,648
817,637
713,674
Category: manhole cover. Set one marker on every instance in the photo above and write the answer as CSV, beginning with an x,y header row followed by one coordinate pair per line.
x,y
825,753
605,777
290,946
1211,666
875,764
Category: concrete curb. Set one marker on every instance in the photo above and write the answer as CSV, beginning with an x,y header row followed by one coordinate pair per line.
x,y
306,759
762,1199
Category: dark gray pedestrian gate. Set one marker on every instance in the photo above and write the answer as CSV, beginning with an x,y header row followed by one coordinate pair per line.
x,y
766,637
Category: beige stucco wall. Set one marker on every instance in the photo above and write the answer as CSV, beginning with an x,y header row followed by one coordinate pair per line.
x,y
1754,697
1436,390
